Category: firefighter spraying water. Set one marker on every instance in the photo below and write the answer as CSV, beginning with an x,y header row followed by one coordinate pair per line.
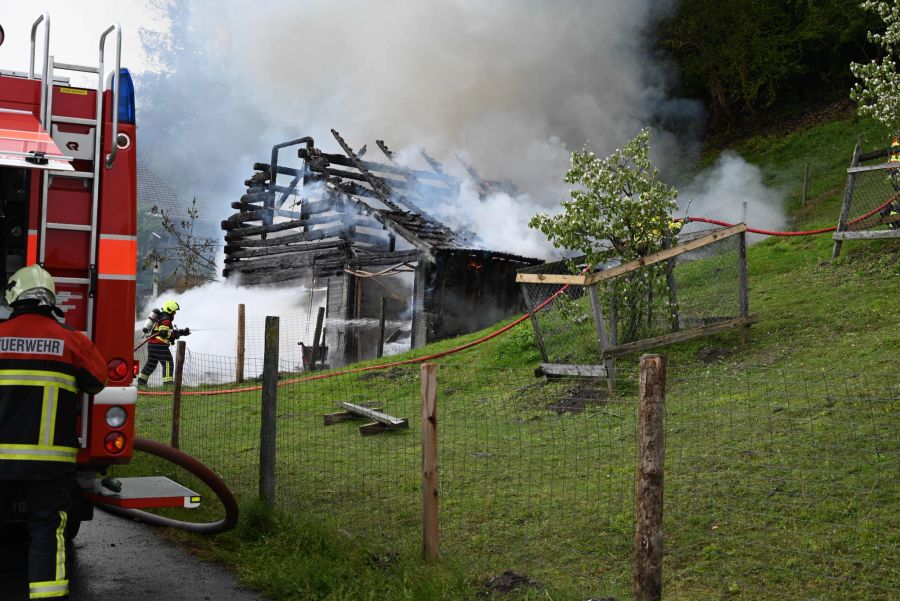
x,y
161,334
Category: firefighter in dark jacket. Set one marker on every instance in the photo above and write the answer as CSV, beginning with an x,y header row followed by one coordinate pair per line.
x,y
43,367
162,335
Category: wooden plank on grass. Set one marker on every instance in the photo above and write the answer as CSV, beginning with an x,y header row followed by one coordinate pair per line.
x,y
680,336
580,371
343,416
378,416
378,427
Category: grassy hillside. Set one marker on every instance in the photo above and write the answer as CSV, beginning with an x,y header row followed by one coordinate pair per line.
x,y
548,491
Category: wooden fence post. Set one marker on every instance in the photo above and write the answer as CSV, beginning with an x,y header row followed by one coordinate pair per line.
x,y
239,375
176,394
535,324
381,327
431,532
320,318
268,414
603,342
648,536
848,199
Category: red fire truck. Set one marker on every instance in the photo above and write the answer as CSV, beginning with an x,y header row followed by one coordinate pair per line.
x,y
68,201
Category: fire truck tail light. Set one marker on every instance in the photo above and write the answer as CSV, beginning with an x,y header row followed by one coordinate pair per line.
x,y
114,443
116,417
137,368
117,369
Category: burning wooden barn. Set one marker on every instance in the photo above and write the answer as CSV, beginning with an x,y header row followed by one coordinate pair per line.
x,y
360,229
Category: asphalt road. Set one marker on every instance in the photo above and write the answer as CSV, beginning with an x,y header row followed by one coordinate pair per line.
x,y
114,558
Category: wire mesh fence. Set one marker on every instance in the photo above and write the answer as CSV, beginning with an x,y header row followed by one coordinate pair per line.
x,y
695,289
296,342
873,196
783,485
778,484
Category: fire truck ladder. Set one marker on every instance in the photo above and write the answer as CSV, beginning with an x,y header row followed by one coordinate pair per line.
x,y
88,148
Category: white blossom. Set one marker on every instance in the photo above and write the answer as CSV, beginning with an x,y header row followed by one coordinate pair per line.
x,y
878,91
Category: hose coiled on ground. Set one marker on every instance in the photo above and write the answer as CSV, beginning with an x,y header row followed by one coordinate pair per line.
x,y
209,477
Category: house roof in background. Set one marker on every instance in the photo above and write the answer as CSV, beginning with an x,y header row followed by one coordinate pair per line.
x,y
154,191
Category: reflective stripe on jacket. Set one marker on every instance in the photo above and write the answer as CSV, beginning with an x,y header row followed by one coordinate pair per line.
x,y
43,365
162,330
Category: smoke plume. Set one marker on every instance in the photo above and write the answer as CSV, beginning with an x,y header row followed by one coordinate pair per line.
x,y
513,85
720,191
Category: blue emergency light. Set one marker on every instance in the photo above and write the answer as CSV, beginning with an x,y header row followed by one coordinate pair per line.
x,y
126,97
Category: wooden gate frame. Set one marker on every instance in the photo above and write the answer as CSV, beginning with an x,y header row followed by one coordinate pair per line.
x,y
841,233
606,338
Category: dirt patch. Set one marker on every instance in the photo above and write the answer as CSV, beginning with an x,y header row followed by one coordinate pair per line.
x,y
394,373
506,583
576,399
711,354
383,561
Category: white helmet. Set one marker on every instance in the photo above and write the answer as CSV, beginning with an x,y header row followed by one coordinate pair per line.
x,y
32,282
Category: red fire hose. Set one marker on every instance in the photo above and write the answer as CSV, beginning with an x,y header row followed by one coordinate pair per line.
x,y
824,230
508,326
206,475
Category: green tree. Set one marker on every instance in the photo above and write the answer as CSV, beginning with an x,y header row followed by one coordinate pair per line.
x,y
619,207
619,210
877,93
747,57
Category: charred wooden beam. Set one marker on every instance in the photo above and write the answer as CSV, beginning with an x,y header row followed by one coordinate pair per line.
x,y
271,276
384,148
393,183
292,261
256,179
288,239
235,254
358,220
361,237
406,256
265,167
379,186
386,220
393,169
253,230
253,197
292,189
237,219
253,212
439,170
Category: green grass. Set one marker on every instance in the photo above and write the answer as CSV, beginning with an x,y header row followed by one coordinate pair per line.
x,y
780,482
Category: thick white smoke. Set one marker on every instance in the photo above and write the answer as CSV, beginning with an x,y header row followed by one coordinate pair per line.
x,y
210,311
514,85
720,191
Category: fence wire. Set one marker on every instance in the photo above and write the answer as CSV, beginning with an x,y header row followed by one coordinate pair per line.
x,y
778,485
871,191
698,288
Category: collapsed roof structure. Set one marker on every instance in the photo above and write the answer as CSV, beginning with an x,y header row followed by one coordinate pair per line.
x,y
361,226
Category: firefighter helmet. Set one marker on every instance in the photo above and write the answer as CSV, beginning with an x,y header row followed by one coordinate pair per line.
x,y
170,307
32,282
